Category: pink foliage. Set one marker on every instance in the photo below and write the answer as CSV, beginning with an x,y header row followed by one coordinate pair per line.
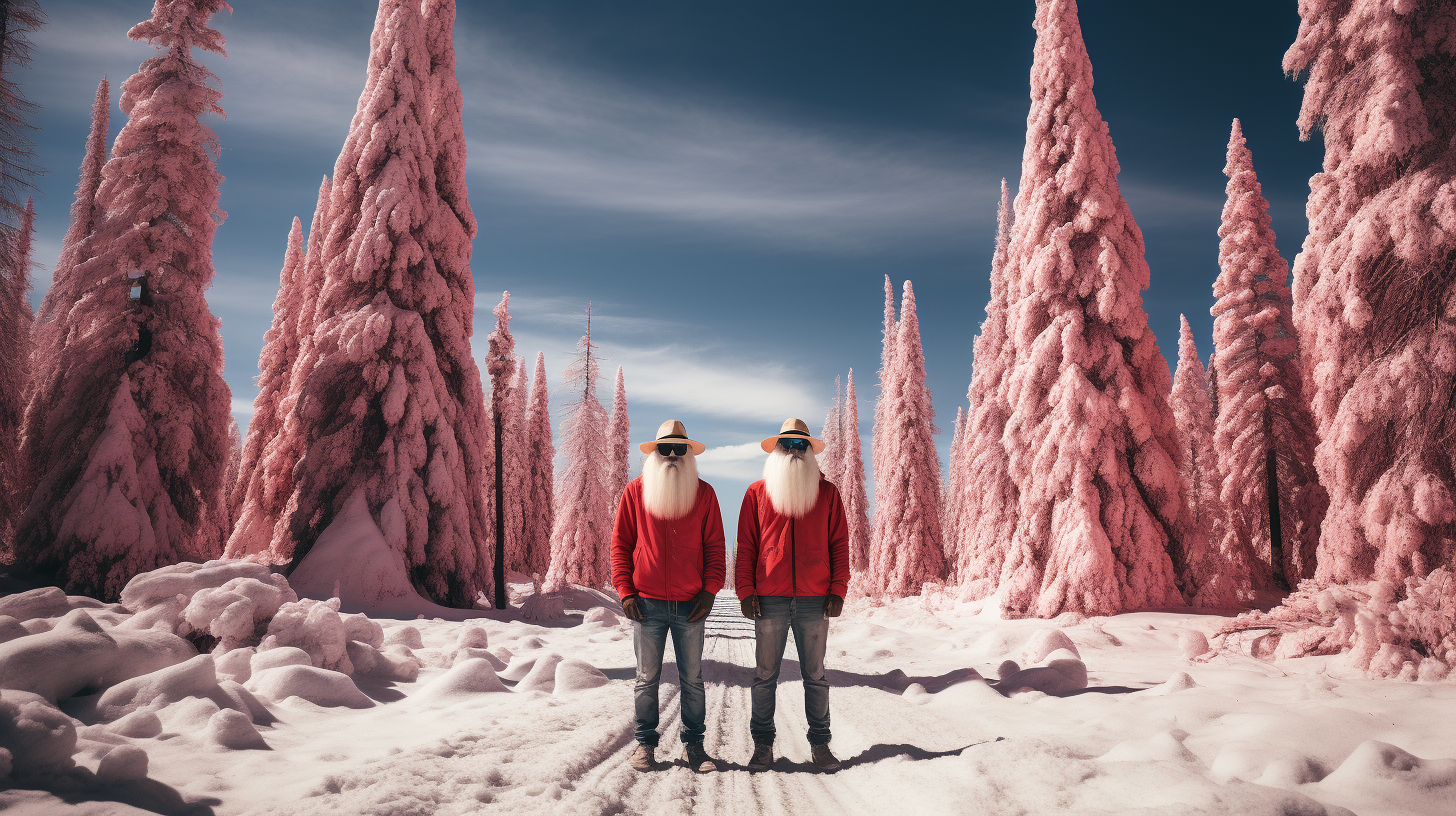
x,y
507,408
1090,439
159,192
950,489
620,434
1373,285
582,530
259,501
15,325
1216,569
887,362
852,490
905,544
540,477
984,500
1262,412
831,460
388,397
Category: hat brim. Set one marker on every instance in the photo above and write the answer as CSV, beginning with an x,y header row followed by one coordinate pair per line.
x,y
694,445
816,445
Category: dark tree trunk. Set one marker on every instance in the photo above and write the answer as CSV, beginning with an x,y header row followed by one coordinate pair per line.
x,y
1276,530
500,521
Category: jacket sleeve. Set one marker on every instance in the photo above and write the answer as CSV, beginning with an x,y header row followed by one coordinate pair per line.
x,y
745,558
838,548
714,555
624,545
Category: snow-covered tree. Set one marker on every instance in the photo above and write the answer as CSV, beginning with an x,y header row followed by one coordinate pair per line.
x,y
1090,438
581,534
1217,568
905,545
141,322
831,460
950,491
852,489
18,18
1373,285
274,444
507,411
887,362
1264,434
540,475
389,397
619,431
15,325
984,499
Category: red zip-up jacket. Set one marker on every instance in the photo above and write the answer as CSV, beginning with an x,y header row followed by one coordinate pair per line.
x,y
667,560
795,557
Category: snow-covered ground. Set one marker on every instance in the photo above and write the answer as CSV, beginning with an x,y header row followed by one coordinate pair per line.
x,y
510,716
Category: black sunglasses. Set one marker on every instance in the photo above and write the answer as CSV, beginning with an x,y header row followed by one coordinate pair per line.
x,y
672,449
793,444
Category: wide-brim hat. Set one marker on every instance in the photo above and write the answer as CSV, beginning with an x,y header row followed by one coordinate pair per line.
x,y
673,431
793,429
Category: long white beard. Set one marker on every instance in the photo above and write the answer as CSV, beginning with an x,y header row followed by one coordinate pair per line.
x,y
669,489
792,480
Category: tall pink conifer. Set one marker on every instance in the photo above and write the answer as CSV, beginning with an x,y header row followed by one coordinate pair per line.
x,y
540,475
1090,439
619,431
582,531
390,399
1209,575
144,325
985,499
507,411
950,489
274,444
887,361
831,460
15,332
905,543
1374,282
852,491
1264,433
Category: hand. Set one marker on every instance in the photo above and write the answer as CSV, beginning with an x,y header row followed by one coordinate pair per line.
x,y
833,605
702,605
632,607
749,606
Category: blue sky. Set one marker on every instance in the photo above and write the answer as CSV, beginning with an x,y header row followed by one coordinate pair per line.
x,y
727,182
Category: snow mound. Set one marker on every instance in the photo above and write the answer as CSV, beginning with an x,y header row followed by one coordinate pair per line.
x,y
542,676
45,602
1062,673
1192,643
1177,681
276,658
233,729
1164,746
1374,760
462,655
225,602
472,637
577,675
318,686
518,668
236,664
317,628
1264,764
188,716
1045,641
77,654
124,763
10,629
406,636
192,678
466,678
543,607
601,615
238,612
139,724
40,740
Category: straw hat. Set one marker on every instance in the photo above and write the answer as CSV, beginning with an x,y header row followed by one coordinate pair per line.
x,y
793,429
673,431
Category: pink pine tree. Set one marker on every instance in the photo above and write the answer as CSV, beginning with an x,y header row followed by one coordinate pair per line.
x,y
1374,282
15,330
507,413
582,531
950,492
985,499
830,461
1264,433
852,489
905,544
51,327
540,476
389,398
887,362
620,434
275,443
1209,576
143,324
1090,439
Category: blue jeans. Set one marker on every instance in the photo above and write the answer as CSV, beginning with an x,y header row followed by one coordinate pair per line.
x,y
649,640
776,616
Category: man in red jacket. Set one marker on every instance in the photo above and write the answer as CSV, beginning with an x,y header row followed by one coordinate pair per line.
x,y
792,572
667,564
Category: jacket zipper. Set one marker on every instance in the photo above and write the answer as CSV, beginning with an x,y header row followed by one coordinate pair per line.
x,y
794,554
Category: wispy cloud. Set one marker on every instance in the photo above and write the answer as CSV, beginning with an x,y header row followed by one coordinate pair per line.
x,y
743,462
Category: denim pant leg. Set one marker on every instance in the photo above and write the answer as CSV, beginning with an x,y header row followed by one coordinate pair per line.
x,y
811,635
687,646
771,631
649,640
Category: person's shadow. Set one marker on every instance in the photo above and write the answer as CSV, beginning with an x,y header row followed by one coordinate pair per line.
x,y
869,756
